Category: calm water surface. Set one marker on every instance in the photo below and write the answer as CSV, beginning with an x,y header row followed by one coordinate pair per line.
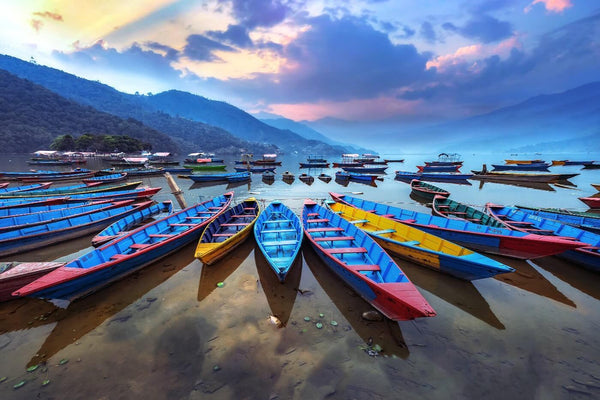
x,y
168,331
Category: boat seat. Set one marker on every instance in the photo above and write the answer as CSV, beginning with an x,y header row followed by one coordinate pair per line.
x,y
280,243
278,231
238,224
333,238
222,234
195,217
249,208
383,231
473,219
118,256
182,224
520,222
312,214
408,221
276,221
139,245
442,206
457,212
207,212
359,221
327,229
243,216
364,267
346,250
214,208
317,221
411,243
160,235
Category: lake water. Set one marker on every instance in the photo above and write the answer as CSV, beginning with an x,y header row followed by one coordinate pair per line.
x,y
168,331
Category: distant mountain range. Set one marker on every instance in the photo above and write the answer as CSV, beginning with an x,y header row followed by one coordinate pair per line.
x,y
193,122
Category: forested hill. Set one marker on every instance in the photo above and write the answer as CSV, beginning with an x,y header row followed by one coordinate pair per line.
x,y
31,117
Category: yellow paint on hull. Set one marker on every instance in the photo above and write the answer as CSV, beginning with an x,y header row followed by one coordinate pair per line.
x,y
522,161
558,162
421,243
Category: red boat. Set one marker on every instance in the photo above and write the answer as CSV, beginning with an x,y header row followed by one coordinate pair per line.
x,y
14,275
592,202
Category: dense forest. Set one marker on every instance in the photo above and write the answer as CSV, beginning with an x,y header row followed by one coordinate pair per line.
x,y
99,143
32,117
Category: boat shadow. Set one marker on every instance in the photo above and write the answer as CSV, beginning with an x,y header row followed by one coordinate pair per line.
x,y
386,333
527,278
280,296
452,181
461,294
213,274
580,278
531,185
87,313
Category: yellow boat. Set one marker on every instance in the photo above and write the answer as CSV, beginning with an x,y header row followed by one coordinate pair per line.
x,y
558,162
523,161
227,231
421,247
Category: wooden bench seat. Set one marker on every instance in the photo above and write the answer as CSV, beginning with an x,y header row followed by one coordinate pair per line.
x,y
333,238
317,221
118,256
182,224
346,250
280,243
160,235
312,215
364,267
383,231
359,221
238,224
139,245
326,229
223,234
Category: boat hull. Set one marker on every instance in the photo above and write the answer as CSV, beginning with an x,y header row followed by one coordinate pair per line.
x,y
23,274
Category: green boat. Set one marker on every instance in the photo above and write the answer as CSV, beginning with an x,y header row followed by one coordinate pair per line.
x,y
447,208
205,167
78,189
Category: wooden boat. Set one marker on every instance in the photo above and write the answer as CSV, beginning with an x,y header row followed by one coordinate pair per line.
x,y
314,165
362,264
49,162
593,165
394,160
268,177
447,208
558,162
205,167
15,189
591,202
4,185
15,175
483,238
308,179
14,275
72,190
365,170
366,178
288,177
20,240
56,178
520,177
521,167
27,221
120,227
425,176
165,162
587,256
256,170
227,231
107,178
128,253
324,177
268,159
445,159
370,163
438,168
523,161
584,163
178,170
141,193
278,232
316,159
596,186
216,177
347,164
240,177
578,219
135,172
426,191
420,247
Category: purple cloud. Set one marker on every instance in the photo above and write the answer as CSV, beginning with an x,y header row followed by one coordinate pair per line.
x,y
200,48
235,35
255,13
171,54
482,27
427,32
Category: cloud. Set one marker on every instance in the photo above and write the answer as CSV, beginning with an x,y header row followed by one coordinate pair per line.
x,y
170,53
200,48
49,15
36,24
556,6
427,32
482,27
235,35
255,13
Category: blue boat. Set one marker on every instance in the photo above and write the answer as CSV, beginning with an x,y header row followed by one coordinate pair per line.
x,y
438,168
107,178
362,264
482,238
123,225
587,256
131,172
20,240
255,169
366,178
521,167
45,173
184,171
441,177
71,190
128,253
27,188
38,207
365,170
240,177
578,219
278,232
314,165
225,176
25,221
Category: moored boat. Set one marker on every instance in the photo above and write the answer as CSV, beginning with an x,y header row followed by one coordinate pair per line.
x,y
421,247
216,177
314,164
360,262
56,178
536,161
578,219
256,170
434,176
426,191
365,170
288,177
278,232
438,168
488,239
447,208
205,167
14,275
95,187
591,202
596,186
128,253
521,167
120,227
308,179
27,188
227,231
366,178
324,177
107,178
520,177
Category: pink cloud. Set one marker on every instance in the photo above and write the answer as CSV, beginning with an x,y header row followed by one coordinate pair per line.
x,y
36,24
48,14
555,6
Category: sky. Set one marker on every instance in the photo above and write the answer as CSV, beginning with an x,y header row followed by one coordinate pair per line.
x,y
367,60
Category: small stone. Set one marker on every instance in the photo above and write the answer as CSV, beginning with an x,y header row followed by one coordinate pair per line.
x,y
372,316
334,323
32,368
216,368
307,319
321,315
20,384
3,379
220,284
46,382
63,361
319,325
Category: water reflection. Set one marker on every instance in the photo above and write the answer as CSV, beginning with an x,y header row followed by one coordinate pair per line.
x,y
280,296
530,185
580,278
232,185
26,313
386,333
440,180
211,275
461,294
527,278
86,314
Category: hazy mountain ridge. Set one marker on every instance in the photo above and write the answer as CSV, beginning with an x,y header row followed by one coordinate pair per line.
x,y
33,116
